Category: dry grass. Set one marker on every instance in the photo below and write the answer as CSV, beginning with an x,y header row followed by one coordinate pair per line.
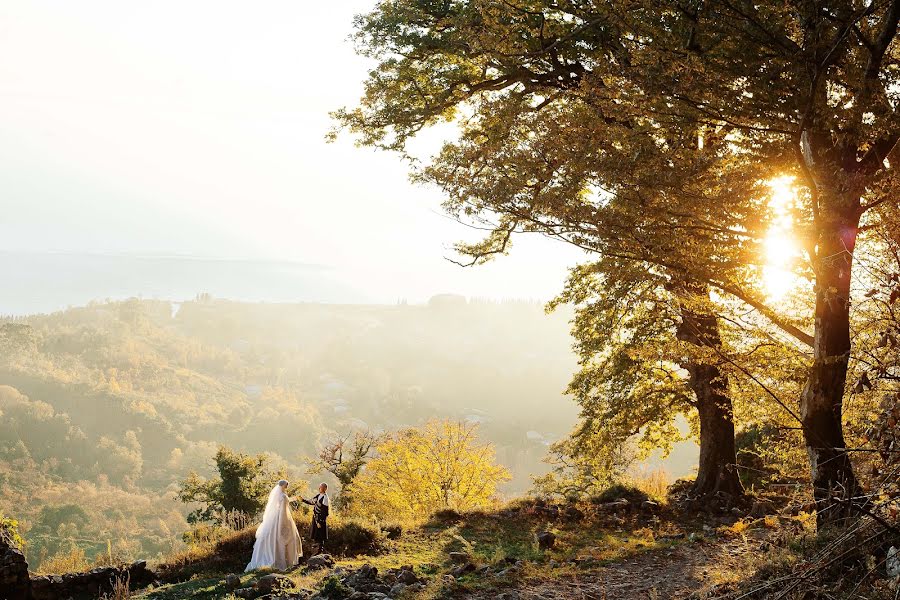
x,y
227,553
121,589
71,560
654,483
218,549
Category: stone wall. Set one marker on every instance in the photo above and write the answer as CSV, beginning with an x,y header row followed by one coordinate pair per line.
x,y
91,584
16,584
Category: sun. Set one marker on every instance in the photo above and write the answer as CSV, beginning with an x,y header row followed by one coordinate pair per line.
x,y
780,246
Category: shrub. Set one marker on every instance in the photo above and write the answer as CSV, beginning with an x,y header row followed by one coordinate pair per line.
x,y
333,588
9,532
618,491
393,531
349,537
446,516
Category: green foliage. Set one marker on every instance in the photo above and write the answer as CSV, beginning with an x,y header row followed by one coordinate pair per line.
x,y
333,588
344,457
647,135
9,532
353,537
51,518
618,491
243,486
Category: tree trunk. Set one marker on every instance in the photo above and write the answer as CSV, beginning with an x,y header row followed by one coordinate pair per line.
x,y
834,483
716,471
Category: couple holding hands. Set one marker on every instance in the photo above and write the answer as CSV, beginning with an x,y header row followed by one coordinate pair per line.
x,y
278,543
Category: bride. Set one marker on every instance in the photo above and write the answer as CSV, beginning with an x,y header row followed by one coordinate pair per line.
x,y
277,539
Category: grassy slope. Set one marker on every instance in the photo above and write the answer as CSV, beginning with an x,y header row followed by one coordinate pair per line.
x,y
489,539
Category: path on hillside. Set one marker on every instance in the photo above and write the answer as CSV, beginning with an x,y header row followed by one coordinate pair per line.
x,y
670,574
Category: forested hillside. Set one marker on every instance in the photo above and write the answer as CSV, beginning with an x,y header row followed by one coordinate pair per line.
x,y
104,409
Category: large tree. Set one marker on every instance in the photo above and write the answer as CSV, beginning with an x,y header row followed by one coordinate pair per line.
x,y
645,129
540,152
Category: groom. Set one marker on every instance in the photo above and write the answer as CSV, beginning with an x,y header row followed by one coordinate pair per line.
x,y
318,529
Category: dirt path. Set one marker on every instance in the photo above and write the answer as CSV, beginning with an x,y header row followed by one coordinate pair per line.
x,y
656,575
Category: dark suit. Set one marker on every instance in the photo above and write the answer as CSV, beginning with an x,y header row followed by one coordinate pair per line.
x,y
318,529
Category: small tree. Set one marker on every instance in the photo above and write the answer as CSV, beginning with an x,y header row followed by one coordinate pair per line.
x,y
421,470
344,457
242,486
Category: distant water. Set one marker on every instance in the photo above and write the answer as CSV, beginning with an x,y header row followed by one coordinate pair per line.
x,y
40,283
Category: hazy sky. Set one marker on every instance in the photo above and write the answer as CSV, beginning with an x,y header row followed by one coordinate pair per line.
x,y
197,127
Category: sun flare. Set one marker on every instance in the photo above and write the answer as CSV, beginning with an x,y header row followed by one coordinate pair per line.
x,y
780,245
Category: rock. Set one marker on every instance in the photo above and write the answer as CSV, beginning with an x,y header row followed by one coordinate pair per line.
x,y
892,562
232,582
398,590
358,596
94,583
546,540
273,582
615,506
458,557
761,508
14,579
247,593
407,577
549,512
320,561
462,570
365,579
508,596
448,580
572,514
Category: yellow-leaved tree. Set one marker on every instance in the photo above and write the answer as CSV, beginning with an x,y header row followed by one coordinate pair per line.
x,y
418,471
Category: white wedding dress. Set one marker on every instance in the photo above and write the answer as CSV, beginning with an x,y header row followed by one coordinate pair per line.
x,y
277,539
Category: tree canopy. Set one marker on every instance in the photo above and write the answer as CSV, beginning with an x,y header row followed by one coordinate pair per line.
x,y
242,487
420,470
647,131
